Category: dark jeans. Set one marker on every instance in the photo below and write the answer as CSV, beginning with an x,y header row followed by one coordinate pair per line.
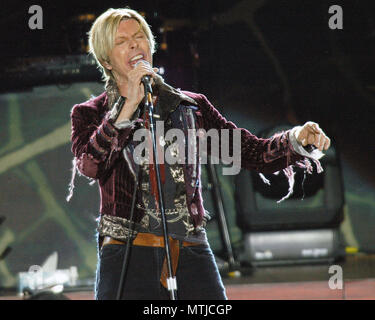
x,y
197,274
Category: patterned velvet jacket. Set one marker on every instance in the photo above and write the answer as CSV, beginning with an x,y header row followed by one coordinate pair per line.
x,y
101,149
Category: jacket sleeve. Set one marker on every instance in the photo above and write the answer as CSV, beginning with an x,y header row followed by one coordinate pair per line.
x,y
262,155
96,142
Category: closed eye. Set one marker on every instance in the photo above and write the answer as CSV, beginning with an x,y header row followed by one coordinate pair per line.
x,y
120,40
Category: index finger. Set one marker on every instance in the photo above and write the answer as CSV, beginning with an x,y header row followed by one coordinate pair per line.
x,y
314,128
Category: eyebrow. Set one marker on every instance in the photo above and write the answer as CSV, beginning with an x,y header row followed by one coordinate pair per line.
x,y
124,37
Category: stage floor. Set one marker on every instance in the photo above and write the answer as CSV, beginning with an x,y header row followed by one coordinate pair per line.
x,y
306,282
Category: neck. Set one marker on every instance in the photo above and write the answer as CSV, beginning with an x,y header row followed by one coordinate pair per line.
x,y
122,86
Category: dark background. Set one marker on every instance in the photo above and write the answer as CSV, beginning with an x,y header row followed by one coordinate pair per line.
x,y
261,63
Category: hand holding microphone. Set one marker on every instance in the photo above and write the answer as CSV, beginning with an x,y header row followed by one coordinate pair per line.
x,y
140,74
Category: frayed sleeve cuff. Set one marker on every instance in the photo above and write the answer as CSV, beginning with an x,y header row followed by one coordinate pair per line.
x,y
124,124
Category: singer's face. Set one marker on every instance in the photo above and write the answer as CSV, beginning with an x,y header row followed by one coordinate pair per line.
x,y
130,46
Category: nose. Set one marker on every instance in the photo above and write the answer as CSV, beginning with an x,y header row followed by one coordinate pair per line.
x,y
133,44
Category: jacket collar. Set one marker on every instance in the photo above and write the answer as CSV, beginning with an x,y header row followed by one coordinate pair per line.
x,y
169,98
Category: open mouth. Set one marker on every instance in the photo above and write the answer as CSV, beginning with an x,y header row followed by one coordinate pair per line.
x,y
136,58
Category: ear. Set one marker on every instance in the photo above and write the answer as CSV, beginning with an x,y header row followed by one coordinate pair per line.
x,y
106,65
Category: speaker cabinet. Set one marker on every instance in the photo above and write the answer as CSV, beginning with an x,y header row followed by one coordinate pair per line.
x,y
291,247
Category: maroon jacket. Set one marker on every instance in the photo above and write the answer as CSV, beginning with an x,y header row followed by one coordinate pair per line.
x,y
97,146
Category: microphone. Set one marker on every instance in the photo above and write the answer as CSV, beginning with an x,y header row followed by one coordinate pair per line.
x,y
146,80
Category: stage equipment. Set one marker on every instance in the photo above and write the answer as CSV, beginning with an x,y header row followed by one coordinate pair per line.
x,y
46,278
230,265
49,293
26,73
291,247
299,229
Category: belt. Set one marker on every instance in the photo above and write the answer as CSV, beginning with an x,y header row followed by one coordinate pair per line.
x,y
151,240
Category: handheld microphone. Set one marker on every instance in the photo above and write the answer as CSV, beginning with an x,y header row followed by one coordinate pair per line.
x,y
146,80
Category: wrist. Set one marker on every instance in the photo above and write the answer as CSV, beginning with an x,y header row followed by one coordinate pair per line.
x,y
126,112
295,133
123,117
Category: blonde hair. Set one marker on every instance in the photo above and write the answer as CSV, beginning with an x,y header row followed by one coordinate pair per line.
x,y
103,31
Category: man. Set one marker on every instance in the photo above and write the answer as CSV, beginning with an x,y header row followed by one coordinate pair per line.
x,y
103,142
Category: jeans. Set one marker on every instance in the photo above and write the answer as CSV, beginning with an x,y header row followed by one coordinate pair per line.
x,y
197,274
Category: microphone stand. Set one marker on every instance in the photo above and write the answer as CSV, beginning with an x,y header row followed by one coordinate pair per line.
x,y
224,230
129,243
149,108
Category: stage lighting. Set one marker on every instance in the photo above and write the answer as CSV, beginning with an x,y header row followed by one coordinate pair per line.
x,y
291,230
